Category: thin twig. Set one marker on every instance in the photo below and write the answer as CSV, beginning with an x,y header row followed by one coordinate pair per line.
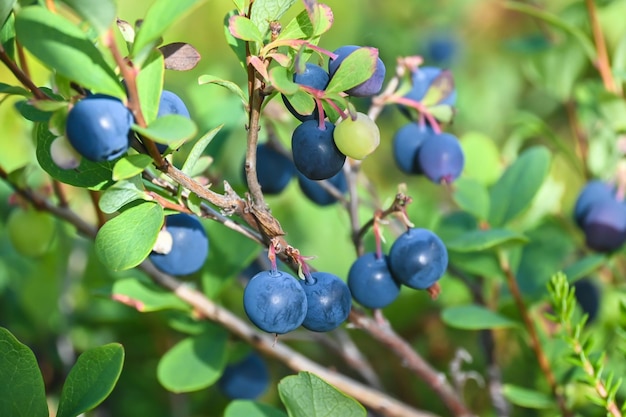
x,y
21,76
602,63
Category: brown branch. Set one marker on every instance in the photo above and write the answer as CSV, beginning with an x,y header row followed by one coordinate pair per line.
x,y
21,76
256,100
603,63
95,201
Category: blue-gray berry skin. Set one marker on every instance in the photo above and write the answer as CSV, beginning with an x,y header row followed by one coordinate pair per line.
x,y
371,283
314,151
418,258
422,79
406,144
328,300
369,87
190,246
275,302
440,158
273,169
594,192
98,126
318,194
313,76
170,103
605,226
246,380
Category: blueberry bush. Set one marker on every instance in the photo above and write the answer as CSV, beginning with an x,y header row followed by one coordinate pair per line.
x,y
266,208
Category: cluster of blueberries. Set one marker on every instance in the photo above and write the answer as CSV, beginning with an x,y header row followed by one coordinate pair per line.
x,y
601,215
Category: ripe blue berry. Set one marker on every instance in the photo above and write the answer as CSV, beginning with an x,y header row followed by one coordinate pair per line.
x,y
190,246
367,88
247,379
314,151
97,127
313,76
605,226
406,144
441,49
273,169
275,302
371,283
328,300
418,258
441,158
593,192
318,194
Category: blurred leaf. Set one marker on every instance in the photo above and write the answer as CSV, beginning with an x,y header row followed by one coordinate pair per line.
x,y
7,35
62,46
127,239
127,31
299,27
180,56
160,16
198,149
472,196
479,240
99,13
482,158
282,81
14,90
242,28
32,113
584,267
240,4
146,296
475,317
442,112
21,383
527,398
91,379
266,11
168,129
307,395
6,6
92,175
231,86
302,102
195,362
355,69
130,165
440,88
237,45
121,193
247,408
150,85
515,189
320,15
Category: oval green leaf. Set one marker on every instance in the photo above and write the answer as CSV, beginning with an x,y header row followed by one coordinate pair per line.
x,y
480,240
120,194
146,296
514,191
150,85
130,165
247,408
126,240
63,47
472,196
242,28
308,395
195,362
169,129
91,379
475,317
584,267
266,11
357,68
21,383
198,149
99,13
524,397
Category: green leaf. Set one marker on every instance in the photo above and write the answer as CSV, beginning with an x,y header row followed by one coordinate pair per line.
x,y
7,36
63,47
302,102
150,85
229,85
130,165
482,158
238,46
441,87
307,395
300,27
92,175
442,112
242,28
527,398
355,69
21,383
6,6
120,194
169,129
475,317
515,189
247,408
198,150
91,379
146,296
195,362
126,240
584,267
158,18
99,13
281,79
472,196
14,90
480,240
240,4
266,11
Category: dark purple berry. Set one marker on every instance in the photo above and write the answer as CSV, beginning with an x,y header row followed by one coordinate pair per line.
x,y
406,144
441,158
314,152
313,76
273,169
371,283
318,194
369,87
593,192
328,300
247,379
605,226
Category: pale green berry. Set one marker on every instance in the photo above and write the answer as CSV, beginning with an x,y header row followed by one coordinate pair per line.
x,y
357,138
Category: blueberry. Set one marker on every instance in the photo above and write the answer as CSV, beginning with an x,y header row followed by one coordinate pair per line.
x,y
593,192
98,126
441,49
588,297
313,76
418,258
440,158
247,379
371,283
190,246
273,169
605,226
406,143
170,103
314,151
275,302
369,87
318,194
328,300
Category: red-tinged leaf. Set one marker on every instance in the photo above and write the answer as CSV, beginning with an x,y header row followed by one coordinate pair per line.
x,y
258,65
242,28
354,70
441,87
282,81
282,59
180,56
